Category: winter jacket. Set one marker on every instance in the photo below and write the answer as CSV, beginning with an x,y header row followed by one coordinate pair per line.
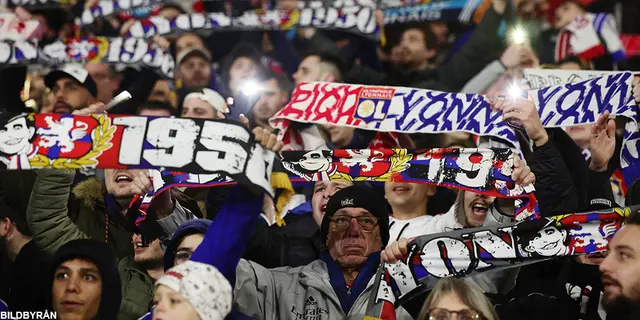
x,y
452,76
28,282
292,293
282,293
54,224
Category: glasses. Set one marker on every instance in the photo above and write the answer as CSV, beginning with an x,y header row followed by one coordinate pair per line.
x,y
340,223
444,314
183,255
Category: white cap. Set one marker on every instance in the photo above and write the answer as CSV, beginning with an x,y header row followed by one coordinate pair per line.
x,y
208,291
211,97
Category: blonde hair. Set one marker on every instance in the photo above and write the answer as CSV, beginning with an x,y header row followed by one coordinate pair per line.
x,y
469,293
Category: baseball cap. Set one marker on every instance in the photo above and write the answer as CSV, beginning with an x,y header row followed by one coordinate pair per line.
x,y
358,197
193,52
73,71
211,97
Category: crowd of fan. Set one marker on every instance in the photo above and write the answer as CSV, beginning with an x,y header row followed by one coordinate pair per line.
x,y
67,245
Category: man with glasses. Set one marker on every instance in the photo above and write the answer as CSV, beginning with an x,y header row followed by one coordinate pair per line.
x,y
354,230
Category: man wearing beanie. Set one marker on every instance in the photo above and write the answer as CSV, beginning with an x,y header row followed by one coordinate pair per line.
x,y
336,286
85,283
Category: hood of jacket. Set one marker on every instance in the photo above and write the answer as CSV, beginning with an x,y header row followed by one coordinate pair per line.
x,y
197,226
90,192
104,258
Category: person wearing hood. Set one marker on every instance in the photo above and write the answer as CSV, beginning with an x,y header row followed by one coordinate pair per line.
x,y
84,281
98,210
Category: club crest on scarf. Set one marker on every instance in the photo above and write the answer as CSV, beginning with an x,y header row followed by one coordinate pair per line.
x,y
59,141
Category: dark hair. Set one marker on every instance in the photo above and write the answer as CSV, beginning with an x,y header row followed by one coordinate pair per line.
x,y
156,105
6,118
329,58
430,39
284,84
18,220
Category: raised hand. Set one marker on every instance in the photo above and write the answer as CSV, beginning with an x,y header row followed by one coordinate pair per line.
x,y
602,142
395,251
267,139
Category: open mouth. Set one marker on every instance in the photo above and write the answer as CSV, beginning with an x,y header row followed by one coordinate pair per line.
x,y
550,246
480,209
401,188
123,178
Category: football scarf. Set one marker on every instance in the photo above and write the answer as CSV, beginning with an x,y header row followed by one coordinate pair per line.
x,y
409,110
467,252
14,29
35,141
126,51
356,19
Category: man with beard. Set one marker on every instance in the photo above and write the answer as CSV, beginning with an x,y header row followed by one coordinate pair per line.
x,y
274,94
194,68
621,272
73,88
98,210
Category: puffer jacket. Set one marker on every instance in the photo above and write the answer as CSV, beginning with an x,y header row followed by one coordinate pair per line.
x,y
295,293
53,224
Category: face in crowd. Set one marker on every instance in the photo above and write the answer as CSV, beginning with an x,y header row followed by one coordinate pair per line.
x,y
313,69
118,182
565,13
412,52
194,72
188,41
70,95
272,99
322,191
197,108
407,195
146,255
476,207
354,234
77,290
621,269
242,69
170,304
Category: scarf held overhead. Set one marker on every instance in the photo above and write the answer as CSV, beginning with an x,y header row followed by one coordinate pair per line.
x,y
126,51
359,20
470,251
409,110
133,142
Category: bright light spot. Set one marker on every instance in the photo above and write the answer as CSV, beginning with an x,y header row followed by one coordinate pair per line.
x,y
250,88
514,91
519,36
230,101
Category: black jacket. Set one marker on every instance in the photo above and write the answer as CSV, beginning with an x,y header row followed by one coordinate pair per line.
x,y
28,280
296,244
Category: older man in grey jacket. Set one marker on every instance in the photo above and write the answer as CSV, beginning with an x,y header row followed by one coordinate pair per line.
x,y
338,284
